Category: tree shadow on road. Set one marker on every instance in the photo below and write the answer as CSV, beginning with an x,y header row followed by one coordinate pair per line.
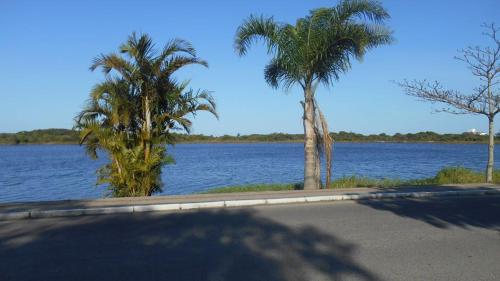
x,y
203,245
444,212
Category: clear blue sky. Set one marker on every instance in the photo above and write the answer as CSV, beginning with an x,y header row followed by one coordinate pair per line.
x,y
46,48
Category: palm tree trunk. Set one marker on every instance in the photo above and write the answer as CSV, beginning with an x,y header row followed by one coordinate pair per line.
x,y
491,150
317,164
146,185
311,157
147,128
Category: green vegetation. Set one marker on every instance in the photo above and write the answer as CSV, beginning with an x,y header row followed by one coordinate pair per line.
x,y
315,51
132,113
65,136
356,181
257,187
457,175
448,175
462,175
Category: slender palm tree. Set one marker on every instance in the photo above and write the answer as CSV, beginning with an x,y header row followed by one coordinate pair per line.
x,y
132,113
316,50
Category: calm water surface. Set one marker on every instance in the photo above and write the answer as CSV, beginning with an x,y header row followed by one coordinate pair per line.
x,y
51,172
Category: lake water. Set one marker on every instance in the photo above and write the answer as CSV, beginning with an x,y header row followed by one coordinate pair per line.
x,y
53,172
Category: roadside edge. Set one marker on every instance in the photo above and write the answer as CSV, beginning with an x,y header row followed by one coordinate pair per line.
x,y
32,214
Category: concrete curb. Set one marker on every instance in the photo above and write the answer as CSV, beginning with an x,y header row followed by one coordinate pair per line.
x,y
31,214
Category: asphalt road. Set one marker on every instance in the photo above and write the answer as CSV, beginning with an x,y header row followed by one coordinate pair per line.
x,y
430,239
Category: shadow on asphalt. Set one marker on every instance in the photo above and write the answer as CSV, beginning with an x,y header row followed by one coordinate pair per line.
x,y
444,212
205,245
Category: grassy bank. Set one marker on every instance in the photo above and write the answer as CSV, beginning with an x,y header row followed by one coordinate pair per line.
x,y
448,175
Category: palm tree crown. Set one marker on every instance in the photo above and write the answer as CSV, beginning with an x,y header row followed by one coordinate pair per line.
x,y
319,47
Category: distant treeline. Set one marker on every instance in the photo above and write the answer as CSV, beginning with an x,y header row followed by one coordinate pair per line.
x,y
340,137
40,136
65,136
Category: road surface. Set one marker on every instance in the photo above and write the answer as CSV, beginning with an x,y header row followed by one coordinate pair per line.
x,y
410,239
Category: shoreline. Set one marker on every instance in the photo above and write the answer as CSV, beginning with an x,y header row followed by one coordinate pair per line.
x,y
263,142
106,206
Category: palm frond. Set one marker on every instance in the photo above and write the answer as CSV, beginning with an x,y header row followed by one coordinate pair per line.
x,y
253,29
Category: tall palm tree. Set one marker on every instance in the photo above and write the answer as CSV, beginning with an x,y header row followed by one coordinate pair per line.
x,y
316,50
132,113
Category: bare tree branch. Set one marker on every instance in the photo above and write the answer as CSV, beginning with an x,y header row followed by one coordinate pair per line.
x,y
434,93
483,62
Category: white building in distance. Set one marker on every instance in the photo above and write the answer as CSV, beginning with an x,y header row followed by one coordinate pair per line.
x,y
476,132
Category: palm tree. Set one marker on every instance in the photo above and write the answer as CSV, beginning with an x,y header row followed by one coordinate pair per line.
x,y
316,50
132,113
